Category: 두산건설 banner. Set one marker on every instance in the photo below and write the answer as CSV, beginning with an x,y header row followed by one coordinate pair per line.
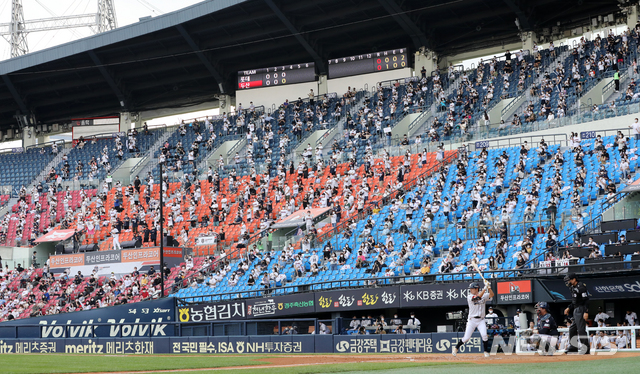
x,y
146,318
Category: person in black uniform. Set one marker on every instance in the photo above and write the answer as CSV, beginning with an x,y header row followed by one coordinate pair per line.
x,y
579,310
547,330
146,233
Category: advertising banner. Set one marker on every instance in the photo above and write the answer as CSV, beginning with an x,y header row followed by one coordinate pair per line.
x,y
423,295
206,240
145,318
172,256
56,236
65,261
599,288
211,312
102,257
278,306
410,343
363,298
514,292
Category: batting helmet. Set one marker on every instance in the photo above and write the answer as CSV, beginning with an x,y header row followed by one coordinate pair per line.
x,y
542,305
569,277
474,285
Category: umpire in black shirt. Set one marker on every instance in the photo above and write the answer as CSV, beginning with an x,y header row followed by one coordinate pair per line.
x,y
579,310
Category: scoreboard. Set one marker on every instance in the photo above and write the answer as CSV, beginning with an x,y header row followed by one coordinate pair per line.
x,y
368,63
277,76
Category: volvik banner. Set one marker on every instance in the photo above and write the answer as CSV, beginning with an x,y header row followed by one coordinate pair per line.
x,y
146,318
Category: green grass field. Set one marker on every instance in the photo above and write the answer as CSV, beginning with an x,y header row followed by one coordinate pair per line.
x,y
60,363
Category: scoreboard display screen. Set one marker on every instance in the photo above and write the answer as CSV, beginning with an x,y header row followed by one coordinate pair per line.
x,y
277,76
368,63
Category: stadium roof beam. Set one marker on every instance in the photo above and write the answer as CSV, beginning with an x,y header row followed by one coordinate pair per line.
x,y
523,19
205,61
124,103
322,69
417,36
15,94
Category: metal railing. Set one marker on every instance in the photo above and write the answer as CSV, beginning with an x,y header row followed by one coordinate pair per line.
x,y
47,144
532,140
524,272
586,228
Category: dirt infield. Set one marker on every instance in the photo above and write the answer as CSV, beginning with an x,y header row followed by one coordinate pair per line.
x,y
284,361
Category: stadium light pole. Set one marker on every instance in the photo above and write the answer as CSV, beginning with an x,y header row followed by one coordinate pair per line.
x,y
161,233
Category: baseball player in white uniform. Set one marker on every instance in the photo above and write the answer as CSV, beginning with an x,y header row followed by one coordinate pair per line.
x,y
477,301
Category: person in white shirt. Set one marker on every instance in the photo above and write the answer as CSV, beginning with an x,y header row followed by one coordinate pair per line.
x,y
322,328
115,234
355,324
601,316
477,301
621,340
491,317
413,324
635,126
601,341
631,318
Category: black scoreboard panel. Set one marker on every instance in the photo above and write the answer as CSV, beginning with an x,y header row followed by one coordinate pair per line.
x,y
368,63
277,75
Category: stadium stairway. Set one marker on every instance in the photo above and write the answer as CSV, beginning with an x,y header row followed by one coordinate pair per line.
x,y
63,151
149,161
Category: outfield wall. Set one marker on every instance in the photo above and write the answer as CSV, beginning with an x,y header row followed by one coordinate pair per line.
x,y
392,343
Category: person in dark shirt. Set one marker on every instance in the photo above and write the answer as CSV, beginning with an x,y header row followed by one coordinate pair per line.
x,y
547,330
151,271
579,310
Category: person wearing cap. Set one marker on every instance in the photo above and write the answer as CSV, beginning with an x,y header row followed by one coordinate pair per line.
x,y
414,324
477,300
516,319
578,309
601,316
631,318
491,317
547,330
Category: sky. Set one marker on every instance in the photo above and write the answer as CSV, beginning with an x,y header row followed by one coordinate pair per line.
x,y
127,12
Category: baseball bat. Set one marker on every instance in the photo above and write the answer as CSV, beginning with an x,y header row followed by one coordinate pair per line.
x,y
475,266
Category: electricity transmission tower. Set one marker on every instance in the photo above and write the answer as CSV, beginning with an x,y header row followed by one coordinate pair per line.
x,y
16,31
